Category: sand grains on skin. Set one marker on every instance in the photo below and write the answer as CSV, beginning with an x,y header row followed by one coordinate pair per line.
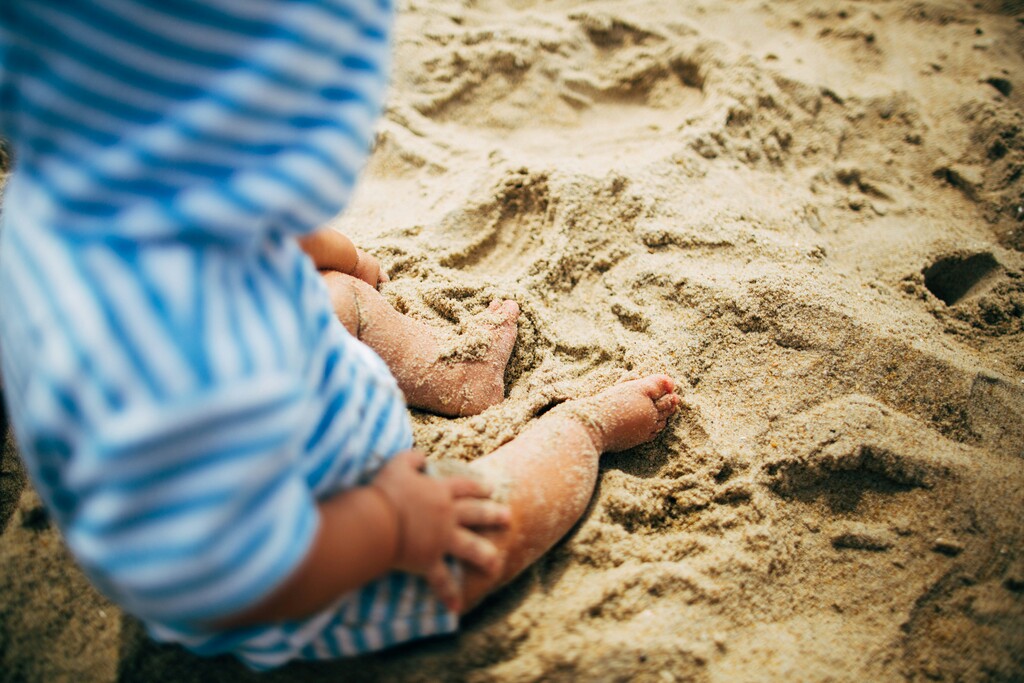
x,y
808,213
482,352
625,415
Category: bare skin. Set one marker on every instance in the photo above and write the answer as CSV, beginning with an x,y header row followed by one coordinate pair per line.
x,y
548,474
330,250
407,520
431,377
413,352
550,471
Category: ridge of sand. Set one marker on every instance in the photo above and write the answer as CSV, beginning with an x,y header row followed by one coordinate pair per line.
x,y
808,212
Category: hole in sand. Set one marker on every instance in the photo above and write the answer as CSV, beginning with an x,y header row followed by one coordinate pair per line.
x,y
35,519
689,72
724,473
1001,84
952,278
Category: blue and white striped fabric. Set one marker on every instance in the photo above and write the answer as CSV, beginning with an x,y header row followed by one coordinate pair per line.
x,y
180,388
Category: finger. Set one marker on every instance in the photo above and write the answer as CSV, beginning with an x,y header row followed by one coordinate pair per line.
x,y
384,277
445,587
476,550
474,512
412,459
442,582
467,487
369,269
369,276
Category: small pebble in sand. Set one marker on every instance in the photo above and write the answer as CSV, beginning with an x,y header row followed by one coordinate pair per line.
x,y
863,537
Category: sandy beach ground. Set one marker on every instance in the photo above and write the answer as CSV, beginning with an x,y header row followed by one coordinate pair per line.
x,y
809,212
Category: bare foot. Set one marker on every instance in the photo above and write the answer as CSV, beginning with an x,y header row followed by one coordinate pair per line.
x,y
482,383
448,374
627,414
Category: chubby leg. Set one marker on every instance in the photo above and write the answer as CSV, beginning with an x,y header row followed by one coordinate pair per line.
x,y
458,377
548,472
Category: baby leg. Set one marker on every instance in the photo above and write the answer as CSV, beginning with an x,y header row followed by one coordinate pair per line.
x,y
444,383
549,471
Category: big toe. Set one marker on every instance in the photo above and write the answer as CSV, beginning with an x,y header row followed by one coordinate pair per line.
x,y
657,387
507,308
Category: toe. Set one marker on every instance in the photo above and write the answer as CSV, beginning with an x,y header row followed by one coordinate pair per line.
x,y
658,386
508,309
667,404
511,309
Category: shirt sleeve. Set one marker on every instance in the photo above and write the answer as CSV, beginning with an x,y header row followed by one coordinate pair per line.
x,y
195,510
212,119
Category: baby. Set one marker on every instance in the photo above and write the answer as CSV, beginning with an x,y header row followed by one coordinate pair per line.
x,y
209,394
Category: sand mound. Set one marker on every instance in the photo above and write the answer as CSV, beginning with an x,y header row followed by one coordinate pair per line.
x,y
810,213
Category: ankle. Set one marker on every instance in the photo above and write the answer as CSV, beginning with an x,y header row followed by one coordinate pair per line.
x,y
581,414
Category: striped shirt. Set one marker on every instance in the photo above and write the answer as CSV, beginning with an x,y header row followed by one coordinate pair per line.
x,y
180,388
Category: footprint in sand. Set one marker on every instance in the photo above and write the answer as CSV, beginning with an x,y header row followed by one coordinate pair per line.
x,y
509,228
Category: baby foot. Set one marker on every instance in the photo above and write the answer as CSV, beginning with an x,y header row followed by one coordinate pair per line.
x,y
483,381
627,414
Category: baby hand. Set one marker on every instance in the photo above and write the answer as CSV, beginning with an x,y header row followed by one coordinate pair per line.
x,y
437,516
330,250
426,511
474,511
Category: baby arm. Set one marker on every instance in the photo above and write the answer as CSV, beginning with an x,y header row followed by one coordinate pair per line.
x,y
403,520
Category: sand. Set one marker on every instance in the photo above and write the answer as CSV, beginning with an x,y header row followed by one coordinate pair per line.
x,y
808,212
